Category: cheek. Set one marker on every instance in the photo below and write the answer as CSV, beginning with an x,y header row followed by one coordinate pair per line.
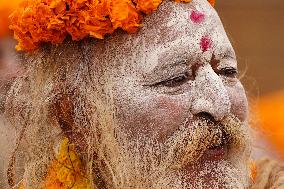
x,y
239,104
169,114
157,116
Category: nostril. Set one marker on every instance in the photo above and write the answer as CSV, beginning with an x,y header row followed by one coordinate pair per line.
x,y
206,116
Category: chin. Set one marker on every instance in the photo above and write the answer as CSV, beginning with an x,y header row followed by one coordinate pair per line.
x,y
216,174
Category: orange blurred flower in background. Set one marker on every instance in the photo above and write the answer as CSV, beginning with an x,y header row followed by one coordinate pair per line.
x,y
212,2
6,8
270,110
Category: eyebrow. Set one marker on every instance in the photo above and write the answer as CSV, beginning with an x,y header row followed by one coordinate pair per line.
x,y
228,53
172,58
174,63
168,63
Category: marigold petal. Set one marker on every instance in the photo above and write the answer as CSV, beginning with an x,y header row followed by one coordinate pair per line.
x,y
39,21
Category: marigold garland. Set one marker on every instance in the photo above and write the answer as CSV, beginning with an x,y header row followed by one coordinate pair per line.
x,y
66,171
38,21
212,2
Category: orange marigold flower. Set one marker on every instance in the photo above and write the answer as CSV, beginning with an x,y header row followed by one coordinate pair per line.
x,y
39,21
147,6
270,111
66,171
212,2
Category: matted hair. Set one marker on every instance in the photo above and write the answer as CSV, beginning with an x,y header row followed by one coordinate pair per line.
x,y
62,92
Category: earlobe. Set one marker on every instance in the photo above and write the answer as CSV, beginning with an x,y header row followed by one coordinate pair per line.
x,y
62,110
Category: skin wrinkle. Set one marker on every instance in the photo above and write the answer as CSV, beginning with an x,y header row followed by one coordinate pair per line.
x,y
154,116
210,94
207,93
189,41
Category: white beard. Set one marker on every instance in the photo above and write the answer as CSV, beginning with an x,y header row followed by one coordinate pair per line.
x,y
147,164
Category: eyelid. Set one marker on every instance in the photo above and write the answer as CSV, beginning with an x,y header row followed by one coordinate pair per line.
x,y
228,71
227,67
179,63
187,74
168,71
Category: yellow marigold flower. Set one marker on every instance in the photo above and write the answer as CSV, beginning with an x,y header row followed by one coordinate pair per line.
x,y
21,186
253,171
66,171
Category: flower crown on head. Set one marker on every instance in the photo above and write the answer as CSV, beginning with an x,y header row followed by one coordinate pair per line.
x,y
39,21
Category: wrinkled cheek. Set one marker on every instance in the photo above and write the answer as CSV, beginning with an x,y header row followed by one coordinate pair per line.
x,y
171,114
239,103
157,116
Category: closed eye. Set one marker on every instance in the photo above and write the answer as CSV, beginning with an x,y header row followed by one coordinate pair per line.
x,y
176,80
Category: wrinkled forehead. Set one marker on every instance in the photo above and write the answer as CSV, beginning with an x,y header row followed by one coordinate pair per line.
x,y
193,30
175,20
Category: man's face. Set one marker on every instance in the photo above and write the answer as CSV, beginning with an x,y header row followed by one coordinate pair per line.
x,y
176,84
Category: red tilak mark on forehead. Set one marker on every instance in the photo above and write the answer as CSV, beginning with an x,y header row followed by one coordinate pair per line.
x,y
196,17
205,43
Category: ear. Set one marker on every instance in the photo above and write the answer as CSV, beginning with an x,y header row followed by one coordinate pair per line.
x,y
63,111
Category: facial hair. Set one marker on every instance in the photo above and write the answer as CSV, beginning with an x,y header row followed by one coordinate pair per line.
x,y
176,163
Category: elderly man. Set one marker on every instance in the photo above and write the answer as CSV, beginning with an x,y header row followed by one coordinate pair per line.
x,y
161,108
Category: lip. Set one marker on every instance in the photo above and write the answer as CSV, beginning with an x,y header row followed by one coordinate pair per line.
x,y
215,154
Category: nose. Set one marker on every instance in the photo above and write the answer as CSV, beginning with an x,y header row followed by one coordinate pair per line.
x,y
210,95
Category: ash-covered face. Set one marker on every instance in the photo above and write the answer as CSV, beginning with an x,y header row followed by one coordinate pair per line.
x,y
181,65
175,83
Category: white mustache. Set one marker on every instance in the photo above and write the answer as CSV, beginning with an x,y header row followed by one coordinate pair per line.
x,y
189,143
143,162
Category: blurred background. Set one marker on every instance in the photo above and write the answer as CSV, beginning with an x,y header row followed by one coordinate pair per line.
x,y
256,30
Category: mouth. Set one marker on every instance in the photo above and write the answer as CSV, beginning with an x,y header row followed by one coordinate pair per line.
x,y
215,154
218,150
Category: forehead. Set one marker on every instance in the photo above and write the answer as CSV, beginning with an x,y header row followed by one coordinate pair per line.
x,y
173,20
192,30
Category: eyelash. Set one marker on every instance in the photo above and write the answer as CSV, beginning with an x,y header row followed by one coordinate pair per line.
x,y
176,81
229,72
